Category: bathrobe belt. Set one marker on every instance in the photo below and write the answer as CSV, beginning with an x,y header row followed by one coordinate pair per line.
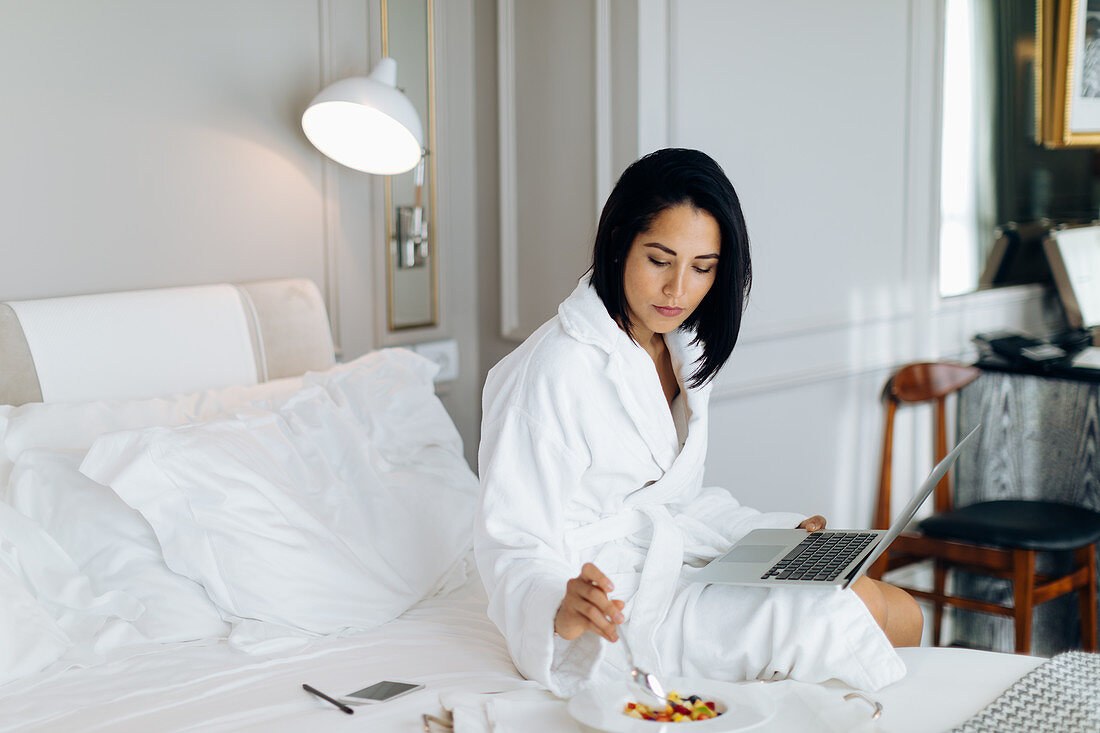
x,y
660,573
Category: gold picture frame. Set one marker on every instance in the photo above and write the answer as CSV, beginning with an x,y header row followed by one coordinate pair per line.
x,y
1067,73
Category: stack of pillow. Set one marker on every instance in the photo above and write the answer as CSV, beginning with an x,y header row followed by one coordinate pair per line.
x,y
275,513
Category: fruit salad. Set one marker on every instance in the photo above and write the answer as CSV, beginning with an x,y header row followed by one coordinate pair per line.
x,y
678,710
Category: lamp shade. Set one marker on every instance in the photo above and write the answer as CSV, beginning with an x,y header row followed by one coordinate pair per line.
x,y
365,123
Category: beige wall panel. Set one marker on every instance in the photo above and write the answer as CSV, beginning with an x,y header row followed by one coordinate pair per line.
x,y
624,85
556,152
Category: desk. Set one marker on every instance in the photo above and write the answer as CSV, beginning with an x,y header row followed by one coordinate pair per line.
x,y
1040,440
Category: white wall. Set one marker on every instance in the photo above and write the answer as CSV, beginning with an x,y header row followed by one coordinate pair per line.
x,y
148,144
155,144
824,116
814,140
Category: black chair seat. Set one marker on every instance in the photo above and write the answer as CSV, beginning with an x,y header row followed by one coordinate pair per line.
x,y
1027,525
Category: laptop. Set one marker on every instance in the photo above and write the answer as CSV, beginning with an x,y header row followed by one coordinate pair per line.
x,y
791,557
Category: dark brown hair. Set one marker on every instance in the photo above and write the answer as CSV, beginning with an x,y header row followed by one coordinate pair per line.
x,y
658,181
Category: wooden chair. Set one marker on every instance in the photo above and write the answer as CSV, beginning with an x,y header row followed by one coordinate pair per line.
x,y
993,538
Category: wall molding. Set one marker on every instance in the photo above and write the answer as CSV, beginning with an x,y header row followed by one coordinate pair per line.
x,y
921,231
602,44
801,327
991,299
815,357
998,298
330,211
655,71
847,350
509,203
378,241
798,378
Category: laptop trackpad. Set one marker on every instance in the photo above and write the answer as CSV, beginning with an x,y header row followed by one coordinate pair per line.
x,y
753,553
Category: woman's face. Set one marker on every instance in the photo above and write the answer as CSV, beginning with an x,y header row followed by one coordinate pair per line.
x,y
669,270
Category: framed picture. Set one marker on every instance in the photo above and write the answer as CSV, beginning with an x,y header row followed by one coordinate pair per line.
x,y
1067,73
1074,257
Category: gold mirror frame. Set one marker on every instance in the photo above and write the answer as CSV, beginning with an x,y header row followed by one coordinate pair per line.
x,y
1058,27
394,274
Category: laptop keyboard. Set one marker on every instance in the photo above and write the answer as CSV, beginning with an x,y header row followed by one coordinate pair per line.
x,y
820,556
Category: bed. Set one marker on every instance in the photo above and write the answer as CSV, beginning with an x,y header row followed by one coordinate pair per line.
x,y
185,540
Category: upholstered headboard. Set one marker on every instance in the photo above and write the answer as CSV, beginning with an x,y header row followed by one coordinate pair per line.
x,y
146,343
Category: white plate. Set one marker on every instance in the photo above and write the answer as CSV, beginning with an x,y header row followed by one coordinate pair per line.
x,y
745,706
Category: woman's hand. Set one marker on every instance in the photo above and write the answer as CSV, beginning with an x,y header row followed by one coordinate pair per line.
x,y
586,606
813,524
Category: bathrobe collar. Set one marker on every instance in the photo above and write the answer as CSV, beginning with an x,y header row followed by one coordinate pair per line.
x,y
584,317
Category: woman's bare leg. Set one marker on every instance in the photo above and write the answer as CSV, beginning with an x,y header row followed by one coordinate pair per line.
x,y
894,610
904,620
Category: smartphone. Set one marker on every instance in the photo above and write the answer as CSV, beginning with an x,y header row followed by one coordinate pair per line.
x,y
380,692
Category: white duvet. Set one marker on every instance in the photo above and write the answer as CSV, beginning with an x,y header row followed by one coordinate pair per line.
x,y
322,506
332,512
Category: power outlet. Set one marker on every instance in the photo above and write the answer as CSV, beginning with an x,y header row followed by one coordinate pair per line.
x,y
445,354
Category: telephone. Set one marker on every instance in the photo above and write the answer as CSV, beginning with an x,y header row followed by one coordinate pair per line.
x,y
1019,349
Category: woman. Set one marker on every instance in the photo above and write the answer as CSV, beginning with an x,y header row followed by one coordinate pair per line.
x,y
593,441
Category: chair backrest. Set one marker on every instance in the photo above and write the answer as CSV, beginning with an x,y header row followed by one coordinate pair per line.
x,y
914,384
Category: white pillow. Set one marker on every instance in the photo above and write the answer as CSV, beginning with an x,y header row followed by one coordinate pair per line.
x,y
336,511
46,604
112,544
76,425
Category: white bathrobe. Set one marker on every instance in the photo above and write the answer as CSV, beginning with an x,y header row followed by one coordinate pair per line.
x,y
580,461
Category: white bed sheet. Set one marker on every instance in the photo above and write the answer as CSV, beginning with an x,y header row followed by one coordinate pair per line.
x,y
944,687
446,643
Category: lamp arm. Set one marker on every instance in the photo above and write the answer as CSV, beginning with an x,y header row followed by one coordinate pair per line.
x,y
418,180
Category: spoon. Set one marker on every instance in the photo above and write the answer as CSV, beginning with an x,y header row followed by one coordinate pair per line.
x,y
646,682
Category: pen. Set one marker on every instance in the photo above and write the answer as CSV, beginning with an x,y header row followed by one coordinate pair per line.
x,y
323,696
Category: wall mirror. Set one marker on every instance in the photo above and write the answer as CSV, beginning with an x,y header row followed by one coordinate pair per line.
x,y
411,261
1000,185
